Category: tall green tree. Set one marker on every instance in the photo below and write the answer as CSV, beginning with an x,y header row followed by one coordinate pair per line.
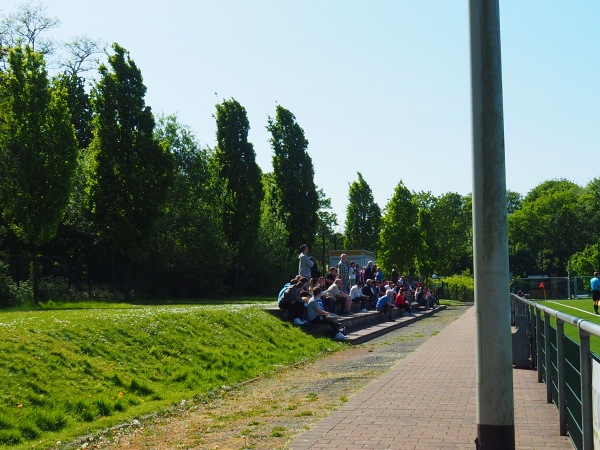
x,y
513,201
363,217
326,238
243,192
399,238
548,228
274,262
587,261
190,255
294,177
425,259
38,150
590,202
130,170
80,107
75,234
452,232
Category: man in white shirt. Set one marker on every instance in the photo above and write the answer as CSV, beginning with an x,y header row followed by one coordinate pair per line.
x,y
356,295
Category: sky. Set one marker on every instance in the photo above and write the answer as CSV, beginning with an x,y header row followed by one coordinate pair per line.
x,y
380,87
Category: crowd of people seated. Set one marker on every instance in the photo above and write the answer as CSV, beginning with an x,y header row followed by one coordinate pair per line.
x,y
313,298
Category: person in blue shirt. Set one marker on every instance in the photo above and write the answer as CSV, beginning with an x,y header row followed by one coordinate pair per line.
x,y
285,287
315,313
386,304
595,285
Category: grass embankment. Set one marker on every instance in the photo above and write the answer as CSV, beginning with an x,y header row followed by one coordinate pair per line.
x,y
65,373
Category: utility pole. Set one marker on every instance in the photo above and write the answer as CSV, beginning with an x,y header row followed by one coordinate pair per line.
x,y
495,405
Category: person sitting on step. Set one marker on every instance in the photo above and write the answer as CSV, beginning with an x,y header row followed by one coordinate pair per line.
x,y
356,294
336,292
402,304
315,313
330,277
385,304
370,291
291,300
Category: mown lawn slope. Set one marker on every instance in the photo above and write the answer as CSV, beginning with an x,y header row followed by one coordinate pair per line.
x,y
64,373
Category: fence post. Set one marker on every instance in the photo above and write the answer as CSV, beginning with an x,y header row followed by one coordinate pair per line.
x,y
562,395
586,390
538,340
533,334
548,357
513,310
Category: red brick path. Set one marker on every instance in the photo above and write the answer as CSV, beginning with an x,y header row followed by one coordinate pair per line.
x,y
438,412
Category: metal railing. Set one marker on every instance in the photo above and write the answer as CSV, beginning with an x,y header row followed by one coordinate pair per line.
x,y
564,365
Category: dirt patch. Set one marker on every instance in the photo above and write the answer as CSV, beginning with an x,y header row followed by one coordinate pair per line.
x,y
268,413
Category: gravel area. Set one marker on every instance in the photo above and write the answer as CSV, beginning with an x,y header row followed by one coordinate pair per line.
x,y
269,412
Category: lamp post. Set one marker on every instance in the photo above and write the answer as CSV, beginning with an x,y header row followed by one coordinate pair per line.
x,y
495,405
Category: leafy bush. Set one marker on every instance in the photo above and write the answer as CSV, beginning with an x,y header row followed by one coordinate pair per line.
x,y
459,287
8,289
55,288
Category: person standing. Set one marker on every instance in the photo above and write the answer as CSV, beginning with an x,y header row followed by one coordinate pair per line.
x,y
379,274
595,285
369,273
394,275
304,262
343,272
352,274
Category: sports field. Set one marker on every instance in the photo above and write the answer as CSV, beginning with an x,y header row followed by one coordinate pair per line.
x,y
578,308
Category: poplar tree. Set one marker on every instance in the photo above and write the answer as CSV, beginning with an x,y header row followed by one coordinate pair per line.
x,y
130,171
38,150
236,166
399,238
294,176
363,217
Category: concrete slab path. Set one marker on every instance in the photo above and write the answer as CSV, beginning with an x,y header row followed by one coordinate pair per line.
x,y
427,401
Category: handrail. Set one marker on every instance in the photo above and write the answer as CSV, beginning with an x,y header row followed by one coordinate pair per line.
x,y
590,327
586,328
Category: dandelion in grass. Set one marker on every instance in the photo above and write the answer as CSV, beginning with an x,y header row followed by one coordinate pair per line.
x,y
20,405
120,395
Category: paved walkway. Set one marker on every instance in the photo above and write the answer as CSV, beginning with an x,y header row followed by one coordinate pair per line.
x,y
440,414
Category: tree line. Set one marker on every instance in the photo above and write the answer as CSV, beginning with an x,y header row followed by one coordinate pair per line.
x,y
90,175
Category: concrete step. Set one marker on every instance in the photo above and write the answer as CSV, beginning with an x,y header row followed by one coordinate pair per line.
x,y
364,334
361,326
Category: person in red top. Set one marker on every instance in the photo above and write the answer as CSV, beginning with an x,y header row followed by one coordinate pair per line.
x,y
402,304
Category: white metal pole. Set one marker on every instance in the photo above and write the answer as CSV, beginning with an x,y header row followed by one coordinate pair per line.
x,y
495,405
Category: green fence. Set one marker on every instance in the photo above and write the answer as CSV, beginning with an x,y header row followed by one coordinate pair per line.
x,y
565,366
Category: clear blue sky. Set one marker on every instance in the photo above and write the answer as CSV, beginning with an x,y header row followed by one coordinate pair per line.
x,y
380,87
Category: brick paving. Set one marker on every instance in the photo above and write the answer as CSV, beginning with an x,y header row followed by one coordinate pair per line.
x,y
394,412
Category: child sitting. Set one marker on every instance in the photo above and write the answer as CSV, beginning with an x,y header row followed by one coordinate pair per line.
x,y
315,313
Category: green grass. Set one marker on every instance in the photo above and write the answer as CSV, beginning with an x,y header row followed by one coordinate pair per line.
x,y
449,302
65,373
579,308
